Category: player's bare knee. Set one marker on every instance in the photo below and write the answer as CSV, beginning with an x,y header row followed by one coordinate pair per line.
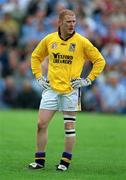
x,y
42,125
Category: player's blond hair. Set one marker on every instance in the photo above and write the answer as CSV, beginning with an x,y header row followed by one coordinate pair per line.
x,y
65,12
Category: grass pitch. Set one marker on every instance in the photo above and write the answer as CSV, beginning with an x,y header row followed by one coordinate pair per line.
x,y
99,154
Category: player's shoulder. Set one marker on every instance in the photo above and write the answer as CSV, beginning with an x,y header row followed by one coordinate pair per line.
x,y
81,37
51,35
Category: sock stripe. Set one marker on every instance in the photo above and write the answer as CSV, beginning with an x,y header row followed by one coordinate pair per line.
x,y
66,159
36,158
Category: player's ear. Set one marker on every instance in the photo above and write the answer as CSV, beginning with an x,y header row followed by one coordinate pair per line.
x,y
60,22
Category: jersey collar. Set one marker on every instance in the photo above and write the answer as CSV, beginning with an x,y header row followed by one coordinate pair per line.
x,y
59,33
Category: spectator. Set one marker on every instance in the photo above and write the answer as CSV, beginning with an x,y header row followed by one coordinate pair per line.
x,y
113,99
28,26
112,52
10,92
91,99
10,27
28,98
22,73
2,87
4,59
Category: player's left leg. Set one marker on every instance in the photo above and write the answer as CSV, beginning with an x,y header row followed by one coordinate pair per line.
x,y
69,105
70,135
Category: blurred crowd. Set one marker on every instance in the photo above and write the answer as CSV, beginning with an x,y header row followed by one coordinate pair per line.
x,y
24,23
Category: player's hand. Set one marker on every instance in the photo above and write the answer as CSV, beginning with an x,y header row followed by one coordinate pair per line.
x,y
80,82
43,83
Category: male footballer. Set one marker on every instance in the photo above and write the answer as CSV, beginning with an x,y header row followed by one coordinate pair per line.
x,y
67,51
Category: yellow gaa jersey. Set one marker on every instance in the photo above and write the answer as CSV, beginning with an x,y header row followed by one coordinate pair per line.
x,y
66,60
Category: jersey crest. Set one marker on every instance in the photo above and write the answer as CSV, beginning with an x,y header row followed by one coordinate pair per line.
x,y
72,47
54,45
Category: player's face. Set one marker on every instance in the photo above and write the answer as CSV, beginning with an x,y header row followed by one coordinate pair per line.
x,y
68,24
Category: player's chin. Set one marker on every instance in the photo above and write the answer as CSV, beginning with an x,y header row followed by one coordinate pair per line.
x,y
71,32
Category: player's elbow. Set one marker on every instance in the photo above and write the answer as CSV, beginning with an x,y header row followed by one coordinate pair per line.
x,y
104,63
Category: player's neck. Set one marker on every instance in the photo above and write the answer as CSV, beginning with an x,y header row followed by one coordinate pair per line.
x,y
64,36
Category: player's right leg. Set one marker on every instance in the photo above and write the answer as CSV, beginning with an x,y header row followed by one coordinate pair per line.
x,y
48,106
42,135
